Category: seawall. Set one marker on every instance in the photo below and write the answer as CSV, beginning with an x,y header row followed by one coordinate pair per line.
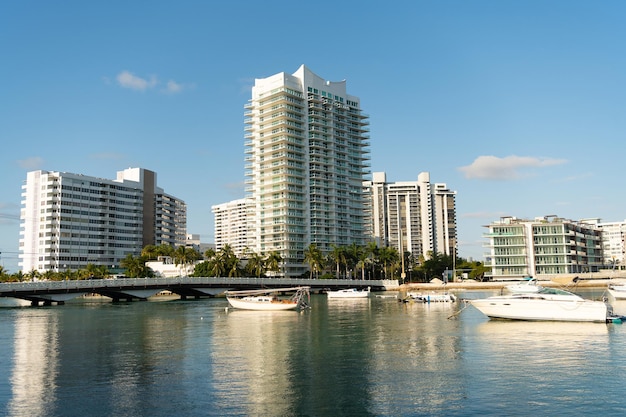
x,y
498,285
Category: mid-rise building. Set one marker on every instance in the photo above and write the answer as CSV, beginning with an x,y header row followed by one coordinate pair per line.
x,y
544,246
71,220
233,225
412,216
307,155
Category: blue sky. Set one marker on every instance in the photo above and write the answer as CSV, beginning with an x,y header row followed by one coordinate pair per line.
x,y
517,105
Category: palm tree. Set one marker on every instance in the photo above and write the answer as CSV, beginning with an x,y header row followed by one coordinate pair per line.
x,y
225,263
33,274
49,275
363,260
314,257
352,258
135,267
185,256
209,254
372,254
19,276
273,262
387,255
91,270
255,265
337,255
150,252
165,250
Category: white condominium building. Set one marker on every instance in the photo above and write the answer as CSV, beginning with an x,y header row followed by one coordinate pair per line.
x,y
307,155
71,220
544,246
613,244
412,216
233,222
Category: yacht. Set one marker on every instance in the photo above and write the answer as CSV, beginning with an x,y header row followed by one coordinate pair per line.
x,y
547,304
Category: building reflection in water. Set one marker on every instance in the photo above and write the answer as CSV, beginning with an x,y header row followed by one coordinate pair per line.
x,y
35,363
251,361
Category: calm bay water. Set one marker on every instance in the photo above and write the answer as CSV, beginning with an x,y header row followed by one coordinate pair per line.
x,y
375,357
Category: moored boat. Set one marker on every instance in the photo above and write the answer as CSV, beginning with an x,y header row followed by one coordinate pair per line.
x,y
349,293
268,299
432,297
617,291
547,304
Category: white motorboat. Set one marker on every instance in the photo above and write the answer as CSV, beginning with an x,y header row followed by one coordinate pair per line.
x,y
432,297
547,304
268,299
349,293
529,285
617,291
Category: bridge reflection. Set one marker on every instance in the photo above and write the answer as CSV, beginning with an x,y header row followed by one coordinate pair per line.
x,y
128,289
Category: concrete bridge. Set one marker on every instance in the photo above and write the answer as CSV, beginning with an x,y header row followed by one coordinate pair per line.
x,y
128,289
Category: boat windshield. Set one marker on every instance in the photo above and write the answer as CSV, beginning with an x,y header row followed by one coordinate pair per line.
x,y
554,291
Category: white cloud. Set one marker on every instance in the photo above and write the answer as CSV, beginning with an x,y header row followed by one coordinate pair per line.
x,y
127,79
508,168
173,87
31,163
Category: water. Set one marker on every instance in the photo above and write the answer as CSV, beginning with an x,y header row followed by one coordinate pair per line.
x,y
375,357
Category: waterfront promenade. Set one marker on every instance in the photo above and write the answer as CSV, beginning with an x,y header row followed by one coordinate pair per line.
x,y
569,284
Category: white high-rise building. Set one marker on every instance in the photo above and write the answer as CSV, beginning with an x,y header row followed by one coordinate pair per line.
x,y
613,244
413,216
71,220
233,225
307,155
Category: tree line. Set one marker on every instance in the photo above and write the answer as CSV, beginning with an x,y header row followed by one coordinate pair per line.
x,y
348,262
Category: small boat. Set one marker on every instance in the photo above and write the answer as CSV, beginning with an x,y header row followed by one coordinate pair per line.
x,y
433,297
529,285
268,299
395,296
547,304
617,291
349,293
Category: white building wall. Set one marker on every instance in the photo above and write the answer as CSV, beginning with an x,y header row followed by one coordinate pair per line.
x,y
71,220
233,225
613,237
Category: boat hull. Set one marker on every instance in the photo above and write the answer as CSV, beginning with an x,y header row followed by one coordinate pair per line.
x,y
348,294
542,310
279,305
431,297
618,292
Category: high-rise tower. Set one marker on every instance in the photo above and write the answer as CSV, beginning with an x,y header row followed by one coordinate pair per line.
x,y
307,154
413,216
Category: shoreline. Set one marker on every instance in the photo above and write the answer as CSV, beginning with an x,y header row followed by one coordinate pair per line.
x,y
498,285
